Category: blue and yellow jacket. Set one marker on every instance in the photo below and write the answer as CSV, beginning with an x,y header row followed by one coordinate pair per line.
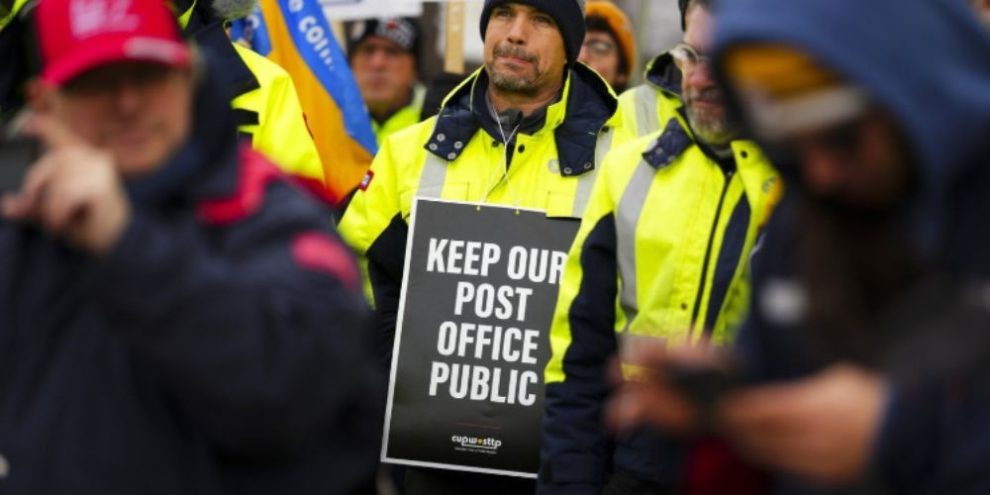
x,y
662,252
262,95
274,118
460,155
646,108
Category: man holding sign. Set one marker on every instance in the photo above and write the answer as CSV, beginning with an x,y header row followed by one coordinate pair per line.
x,y
529,131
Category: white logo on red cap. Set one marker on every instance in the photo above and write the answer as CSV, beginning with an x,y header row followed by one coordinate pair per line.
x,y
91,17
153,49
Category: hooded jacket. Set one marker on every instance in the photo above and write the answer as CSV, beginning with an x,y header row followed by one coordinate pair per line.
x,y
929,67
218,348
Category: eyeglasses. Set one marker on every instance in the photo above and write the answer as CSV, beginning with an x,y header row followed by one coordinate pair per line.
x,y
687,58
599,48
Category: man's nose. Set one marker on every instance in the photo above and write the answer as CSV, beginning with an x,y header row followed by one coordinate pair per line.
x,y
700,76
127,97
378,58
518,30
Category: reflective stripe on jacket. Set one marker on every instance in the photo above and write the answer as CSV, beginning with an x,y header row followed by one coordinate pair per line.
x,y
649,106
662,252
452,156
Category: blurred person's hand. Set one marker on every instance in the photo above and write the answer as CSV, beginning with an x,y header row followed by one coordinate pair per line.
x,y
649,396
73,191
822,427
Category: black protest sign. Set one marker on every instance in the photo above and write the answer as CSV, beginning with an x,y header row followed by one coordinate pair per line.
x,y
473,337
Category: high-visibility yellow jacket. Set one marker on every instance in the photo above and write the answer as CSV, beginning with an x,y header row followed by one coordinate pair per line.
x,y
274,119
662,252
649,106
14,69
459,155
405,117
264,99
7,14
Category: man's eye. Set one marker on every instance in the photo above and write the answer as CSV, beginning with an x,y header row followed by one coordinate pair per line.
x,y
502,12
545,20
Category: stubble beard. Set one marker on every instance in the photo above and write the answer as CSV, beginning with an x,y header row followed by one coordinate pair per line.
x,y
514,84
523,84
711,128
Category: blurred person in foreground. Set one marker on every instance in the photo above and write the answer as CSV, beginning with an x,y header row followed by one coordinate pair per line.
x,y
174,316
384,56
662,253
864,360
610,44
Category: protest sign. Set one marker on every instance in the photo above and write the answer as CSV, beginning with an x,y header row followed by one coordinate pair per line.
x,y
472,337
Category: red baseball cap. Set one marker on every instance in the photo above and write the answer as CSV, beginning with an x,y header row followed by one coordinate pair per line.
x,y
78,35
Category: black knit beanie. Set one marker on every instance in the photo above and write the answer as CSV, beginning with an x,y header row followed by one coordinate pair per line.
x,y
403,31
568,14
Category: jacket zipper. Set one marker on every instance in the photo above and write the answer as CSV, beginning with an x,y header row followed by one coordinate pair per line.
x,y
708,254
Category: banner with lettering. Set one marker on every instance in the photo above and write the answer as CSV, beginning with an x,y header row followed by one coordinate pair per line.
x,y
297,35
472,337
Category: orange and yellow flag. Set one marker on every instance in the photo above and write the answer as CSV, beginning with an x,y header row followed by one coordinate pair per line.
x,y
296,35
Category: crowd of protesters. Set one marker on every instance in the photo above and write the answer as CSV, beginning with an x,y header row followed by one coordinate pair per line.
x,y
780,282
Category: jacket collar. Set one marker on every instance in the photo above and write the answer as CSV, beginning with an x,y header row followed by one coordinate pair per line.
x,y
662,73
677,138
234,76
585,106
673,141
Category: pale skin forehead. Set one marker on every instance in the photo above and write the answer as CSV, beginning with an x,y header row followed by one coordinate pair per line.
x,y
700,28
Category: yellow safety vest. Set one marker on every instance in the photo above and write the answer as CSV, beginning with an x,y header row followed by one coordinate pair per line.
x,y
280,130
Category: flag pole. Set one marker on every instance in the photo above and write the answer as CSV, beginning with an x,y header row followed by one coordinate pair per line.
x,y
453,61
338,32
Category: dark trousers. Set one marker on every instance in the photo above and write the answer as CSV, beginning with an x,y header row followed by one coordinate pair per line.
x,y
422,481
623,484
